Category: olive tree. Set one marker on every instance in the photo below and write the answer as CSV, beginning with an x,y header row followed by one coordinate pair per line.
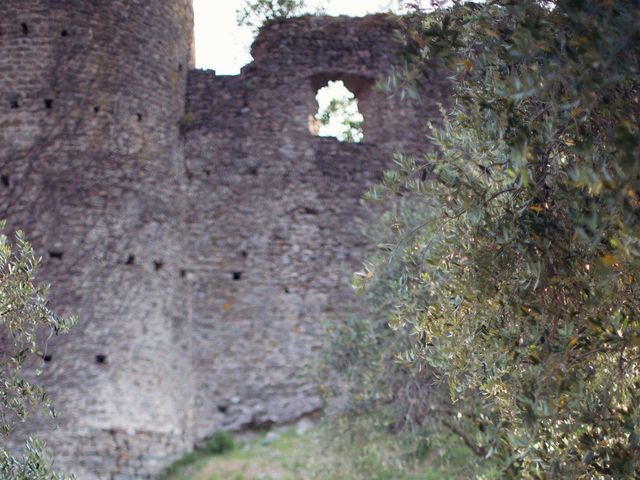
x,y
25,324
516,277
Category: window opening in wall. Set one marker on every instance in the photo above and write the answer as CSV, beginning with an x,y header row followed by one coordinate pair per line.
x,y
101,359
338,115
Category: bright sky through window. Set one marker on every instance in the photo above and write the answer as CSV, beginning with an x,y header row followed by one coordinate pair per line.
x,y
338,113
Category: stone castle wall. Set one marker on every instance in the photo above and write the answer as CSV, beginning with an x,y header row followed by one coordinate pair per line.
x,y
192,222
275,211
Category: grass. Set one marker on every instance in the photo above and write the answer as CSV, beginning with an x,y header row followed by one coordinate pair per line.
x,y
287,455
277,456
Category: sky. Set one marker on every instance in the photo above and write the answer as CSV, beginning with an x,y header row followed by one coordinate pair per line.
x,y
224,47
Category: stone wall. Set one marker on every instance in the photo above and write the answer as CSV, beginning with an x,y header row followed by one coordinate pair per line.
x,y
274,218
191,221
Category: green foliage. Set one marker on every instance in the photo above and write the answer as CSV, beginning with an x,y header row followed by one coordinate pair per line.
x,y
220,442
34,465
513,264
380,405
187,122
255,13
25,320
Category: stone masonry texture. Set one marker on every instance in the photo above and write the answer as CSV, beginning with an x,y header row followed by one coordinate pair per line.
x,y
191,221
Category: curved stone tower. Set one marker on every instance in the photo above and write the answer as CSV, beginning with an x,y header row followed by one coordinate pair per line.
x,y
91,167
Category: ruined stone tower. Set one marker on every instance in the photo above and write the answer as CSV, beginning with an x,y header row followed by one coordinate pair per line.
x,y
191,221
92,92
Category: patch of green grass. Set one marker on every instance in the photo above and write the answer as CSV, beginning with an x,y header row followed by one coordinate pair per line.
x,y
180,467
219,443
281,456
289,456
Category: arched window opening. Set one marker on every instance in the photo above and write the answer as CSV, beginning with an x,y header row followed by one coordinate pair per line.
x,y
338,115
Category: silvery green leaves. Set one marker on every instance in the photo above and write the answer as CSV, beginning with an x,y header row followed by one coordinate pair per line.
x,y
513,265
32,465
25,324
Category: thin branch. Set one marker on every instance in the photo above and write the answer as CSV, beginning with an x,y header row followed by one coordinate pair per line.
x,y
474,447
497,194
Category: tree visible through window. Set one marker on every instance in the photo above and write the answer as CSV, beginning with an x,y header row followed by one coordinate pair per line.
x,y
338,115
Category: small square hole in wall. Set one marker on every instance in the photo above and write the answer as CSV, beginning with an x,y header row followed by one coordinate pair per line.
x,y
310,211
96,109
223,408
236,276
64,33
56,254
158,264
25,28
131,260
46,358
14,103
101,359
48,103
139,116
5,180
